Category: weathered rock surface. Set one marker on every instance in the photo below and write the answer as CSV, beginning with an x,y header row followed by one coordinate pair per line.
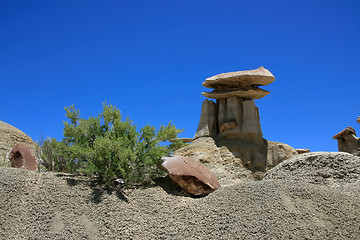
x,y
278,152
330,168
235,123
228,169
21,156
208,123
242,84
348,142
246,94
9,136
191,175
62,206
302,150
185,140
257,77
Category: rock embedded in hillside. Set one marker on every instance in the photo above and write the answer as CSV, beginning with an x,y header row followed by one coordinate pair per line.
x,y
191,175
278,152
347,141
21,156
9,136
228,169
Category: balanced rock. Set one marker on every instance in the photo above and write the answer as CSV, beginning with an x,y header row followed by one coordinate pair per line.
x,y
257,77
358,119
191,175
348,142
233,120
21,156
241,84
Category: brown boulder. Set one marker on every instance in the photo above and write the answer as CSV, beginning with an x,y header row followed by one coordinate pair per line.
x,y
21,156
9,136
193,176
228,125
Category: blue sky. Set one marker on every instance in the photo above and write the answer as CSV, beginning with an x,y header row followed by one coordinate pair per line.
x,y
149,59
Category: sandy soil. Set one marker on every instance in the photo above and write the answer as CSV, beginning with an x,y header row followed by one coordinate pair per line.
x,y
60,206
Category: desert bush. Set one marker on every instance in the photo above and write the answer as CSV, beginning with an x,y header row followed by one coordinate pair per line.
x,y
108,147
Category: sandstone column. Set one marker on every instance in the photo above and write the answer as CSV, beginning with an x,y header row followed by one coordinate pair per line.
x,y
208,120
234,120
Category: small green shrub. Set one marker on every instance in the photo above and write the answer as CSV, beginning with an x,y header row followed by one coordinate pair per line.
x,y
108,147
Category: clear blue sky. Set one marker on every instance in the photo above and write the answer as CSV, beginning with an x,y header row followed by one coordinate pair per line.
x,y
149,59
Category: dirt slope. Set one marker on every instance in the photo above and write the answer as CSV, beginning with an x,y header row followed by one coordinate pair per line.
x,y
58,206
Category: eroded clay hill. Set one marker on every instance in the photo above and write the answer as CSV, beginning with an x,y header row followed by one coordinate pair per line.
x,y
319,198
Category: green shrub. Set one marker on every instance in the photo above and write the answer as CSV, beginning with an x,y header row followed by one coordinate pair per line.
x,y
108,147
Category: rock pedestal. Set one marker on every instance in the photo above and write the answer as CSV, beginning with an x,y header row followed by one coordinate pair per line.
x,y
233,120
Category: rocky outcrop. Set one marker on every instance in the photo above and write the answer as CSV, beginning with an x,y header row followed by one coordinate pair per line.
x,y
208,120
278,152
228,169
9,136
233,120
191,175
21,156
302,150
347,141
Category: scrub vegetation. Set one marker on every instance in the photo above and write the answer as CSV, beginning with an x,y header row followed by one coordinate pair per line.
x,y
108,147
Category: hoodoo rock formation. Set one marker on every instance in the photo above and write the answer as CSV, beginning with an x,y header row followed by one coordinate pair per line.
x,y
348,142
233,120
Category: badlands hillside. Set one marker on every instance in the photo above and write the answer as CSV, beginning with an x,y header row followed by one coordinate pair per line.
x,y
309,196
268,190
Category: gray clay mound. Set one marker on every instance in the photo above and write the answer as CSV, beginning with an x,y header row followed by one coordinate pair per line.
x,y
60,206
331,168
